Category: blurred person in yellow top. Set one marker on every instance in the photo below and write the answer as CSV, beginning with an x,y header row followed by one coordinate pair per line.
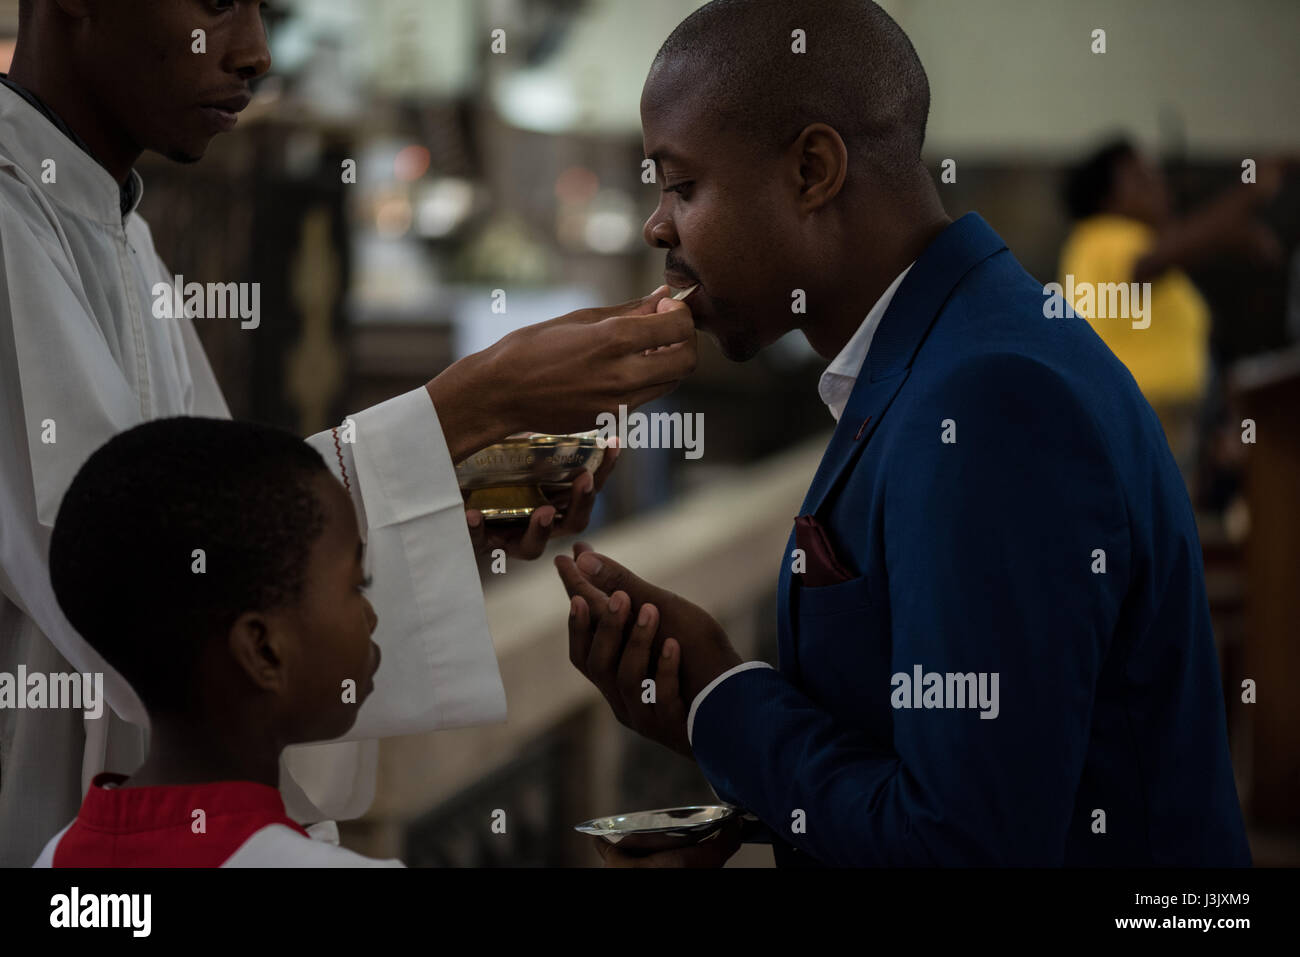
x,y
1125,233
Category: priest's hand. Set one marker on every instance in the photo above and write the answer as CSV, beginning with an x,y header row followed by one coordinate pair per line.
x,y
559,376
625,633
529,542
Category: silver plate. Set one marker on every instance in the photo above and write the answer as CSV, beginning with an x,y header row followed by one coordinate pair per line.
x,y
661,829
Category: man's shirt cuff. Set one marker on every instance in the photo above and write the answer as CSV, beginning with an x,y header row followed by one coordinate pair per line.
x,y
695,705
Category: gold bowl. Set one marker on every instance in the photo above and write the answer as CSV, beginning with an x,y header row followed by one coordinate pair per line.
x,y
509,480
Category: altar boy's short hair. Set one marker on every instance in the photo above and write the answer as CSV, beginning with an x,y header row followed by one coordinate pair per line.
x,y
173,529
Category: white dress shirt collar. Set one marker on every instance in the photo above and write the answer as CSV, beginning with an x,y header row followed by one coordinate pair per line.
x,y
835,388
841,375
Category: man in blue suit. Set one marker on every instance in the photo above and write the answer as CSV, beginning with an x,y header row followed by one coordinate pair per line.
x,y
995,643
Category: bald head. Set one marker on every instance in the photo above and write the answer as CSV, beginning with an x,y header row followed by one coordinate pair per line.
x,y
787,144
858,74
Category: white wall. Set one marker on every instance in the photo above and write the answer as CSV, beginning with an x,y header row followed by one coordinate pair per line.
x,y
1015,76
1010,77
1007,77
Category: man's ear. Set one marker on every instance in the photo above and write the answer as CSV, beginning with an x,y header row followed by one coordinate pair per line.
x,y
258,648
823,165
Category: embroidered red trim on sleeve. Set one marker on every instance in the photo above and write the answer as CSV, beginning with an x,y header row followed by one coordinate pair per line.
x,y
342,468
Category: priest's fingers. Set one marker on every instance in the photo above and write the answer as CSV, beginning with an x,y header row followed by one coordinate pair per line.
x,y
533,542
477,530
528,544
579,633
634,668
642,305
640,397
607,463
672,361
632,335
581,500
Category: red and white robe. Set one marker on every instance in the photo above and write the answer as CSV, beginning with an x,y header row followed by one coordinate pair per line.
x,y
222,824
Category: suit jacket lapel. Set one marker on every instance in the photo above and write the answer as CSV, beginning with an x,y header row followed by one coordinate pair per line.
x,y
911,313
784,620
861,416
916,304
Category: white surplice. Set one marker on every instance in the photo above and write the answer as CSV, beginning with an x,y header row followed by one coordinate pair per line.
x,y
80,346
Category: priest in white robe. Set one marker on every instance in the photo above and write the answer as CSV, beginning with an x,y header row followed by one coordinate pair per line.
x,y
82,357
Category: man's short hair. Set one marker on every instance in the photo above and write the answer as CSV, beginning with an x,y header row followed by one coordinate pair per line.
x,y
860,74
1090,184
122,553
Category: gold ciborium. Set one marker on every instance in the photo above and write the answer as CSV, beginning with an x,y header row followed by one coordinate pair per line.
x,y
509,480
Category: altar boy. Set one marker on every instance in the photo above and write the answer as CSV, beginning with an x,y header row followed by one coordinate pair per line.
x,y
219,567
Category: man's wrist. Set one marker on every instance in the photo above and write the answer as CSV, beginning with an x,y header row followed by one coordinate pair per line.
x,y
695,700
714,668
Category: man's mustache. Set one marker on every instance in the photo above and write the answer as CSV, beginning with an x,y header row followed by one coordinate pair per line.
x,y
674,265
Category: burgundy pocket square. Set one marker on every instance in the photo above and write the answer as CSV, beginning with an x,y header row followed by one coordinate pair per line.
x,y
822,565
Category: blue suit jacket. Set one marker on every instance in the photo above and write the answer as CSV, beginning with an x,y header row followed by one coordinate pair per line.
x,y
984,554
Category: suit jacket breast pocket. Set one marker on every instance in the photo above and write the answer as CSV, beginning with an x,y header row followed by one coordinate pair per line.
x,y
834,599
842,640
